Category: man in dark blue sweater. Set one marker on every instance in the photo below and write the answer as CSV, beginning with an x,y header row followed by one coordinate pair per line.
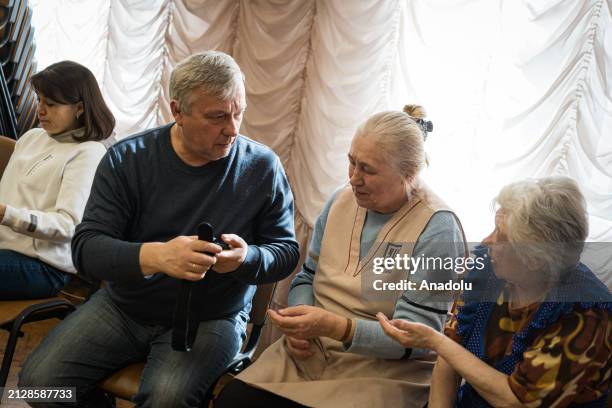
x,y
150,192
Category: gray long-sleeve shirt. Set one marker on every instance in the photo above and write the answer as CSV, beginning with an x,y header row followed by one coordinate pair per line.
x,y
442,237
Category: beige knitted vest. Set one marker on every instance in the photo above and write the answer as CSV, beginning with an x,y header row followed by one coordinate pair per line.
x,y
342,285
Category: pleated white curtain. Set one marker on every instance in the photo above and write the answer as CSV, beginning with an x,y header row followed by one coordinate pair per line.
x,y
515,88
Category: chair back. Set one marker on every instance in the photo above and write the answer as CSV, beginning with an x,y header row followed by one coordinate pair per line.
x,y
7,146
261,302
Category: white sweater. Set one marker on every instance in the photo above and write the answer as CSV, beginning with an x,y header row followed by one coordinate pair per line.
x,y
45,188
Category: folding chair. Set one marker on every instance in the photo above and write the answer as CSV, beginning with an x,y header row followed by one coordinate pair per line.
x,y
124,383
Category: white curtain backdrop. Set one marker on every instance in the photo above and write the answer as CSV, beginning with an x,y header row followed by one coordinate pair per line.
x,y
515,88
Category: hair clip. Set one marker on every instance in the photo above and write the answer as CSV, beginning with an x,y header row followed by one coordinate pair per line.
x,y
426,127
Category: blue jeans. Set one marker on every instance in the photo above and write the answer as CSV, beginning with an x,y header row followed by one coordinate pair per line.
x,y
22,277
99,339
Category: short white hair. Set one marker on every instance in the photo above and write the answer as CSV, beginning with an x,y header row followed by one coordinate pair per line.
x,y
214,71
547,219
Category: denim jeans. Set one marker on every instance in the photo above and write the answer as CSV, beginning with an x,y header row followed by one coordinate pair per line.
x,y
22,277
99,338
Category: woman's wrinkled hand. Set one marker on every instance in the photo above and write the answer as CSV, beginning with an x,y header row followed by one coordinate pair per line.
x,y
307,322
299,349
409,334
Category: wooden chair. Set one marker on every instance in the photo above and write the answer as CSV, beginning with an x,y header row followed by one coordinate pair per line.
x,y
15,313
124,383
7,146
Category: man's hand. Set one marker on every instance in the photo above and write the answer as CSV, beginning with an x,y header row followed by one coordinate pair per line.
x,y
298,349
231,259
307,322
182,257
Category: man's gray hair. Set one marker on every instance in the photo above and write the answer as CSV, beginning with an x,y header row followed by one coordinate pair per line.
x,y
216,72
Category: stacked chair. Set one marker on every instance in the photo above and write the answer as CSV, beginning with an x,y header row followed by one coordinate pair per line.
x,y
17,97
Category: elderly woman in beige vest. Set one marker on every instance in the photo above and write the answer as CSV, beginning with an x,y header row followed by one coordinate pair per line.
x,y
333,352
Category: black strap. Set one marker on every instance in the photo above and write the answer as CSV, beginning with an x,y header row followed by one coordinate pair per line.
x,y
185,322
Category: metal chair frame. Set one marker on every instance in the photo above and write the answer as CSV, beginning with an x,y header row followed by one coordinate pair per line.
x,y
42,310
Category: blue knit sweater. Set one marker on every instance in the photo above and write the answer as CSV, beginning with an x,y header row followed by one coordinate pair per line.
x,y
143,192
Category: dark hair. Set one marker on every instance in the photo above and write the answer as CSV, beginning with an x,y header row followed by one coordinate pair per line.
x,y
67,82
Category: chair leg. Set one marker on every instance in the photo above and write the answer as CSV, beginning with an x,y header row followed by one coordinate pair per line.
x,y
208,398
9,352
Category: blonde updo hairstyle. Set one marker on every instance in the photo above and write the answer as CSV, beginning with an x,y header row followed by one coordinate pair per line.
x,y
546,220
399,137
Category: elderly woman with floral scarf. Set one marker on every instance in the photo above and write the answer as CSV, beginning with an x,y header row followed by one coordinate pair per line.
x,y
536,328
